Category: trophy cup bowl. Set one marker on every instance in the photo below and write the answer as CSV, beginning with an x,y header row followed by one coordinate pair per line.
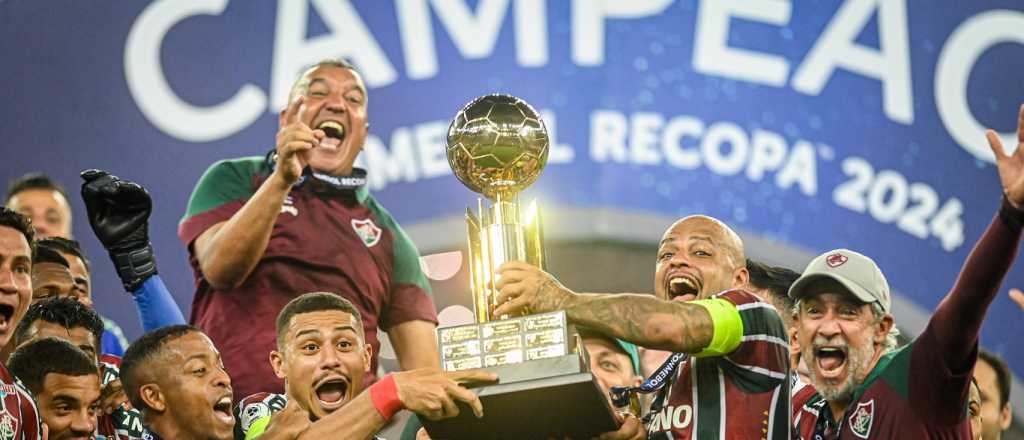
x,y
498,146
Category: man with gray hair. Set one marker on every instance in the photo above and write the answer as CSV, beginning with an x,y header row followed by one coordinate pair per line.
x,y
846,333
261,230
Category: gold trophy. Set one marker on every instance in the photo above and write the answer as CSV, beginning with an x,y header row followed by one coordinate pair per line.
x,y
498,146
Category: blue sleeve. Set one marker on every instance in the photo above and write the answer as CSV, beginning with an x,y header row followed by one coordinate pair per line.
x,y
156,306
111,343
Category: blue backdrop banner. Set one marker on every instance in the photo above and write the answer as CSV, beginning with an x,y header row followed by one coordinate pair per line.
x,y
819,124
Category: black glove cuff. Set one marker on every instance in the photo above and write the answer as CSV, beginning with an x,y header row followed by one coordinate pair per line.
x,y
1012,217
134,266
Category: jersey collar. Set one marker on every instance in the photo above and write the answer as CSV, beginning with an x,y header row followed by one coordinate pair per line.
x,y
355,181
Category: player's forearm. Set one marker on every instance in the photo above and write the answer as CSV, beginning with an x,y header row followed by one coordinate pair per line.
x,y
359,419
958,318
415,344
155,304
644,320
231,250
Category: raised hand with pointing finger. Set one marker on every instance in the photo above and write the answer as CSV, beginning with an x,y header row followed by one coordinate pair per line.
x,y
1011,166
295,143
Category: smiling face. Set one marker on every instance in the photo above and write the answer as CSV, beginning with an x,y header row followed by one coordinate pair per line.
x,y
697,258
15,280
840,339
194,388
69,405
323,359
335,102
48,209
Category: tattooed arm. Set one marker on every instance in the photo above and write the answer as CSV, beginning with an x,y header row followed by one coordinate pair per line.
x,y
641,319
644,320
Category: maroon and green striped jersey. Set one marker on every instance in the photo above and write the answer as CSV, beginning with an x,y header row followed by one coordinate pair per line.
x,y
920,391
124,423
340,241
909,394
19,416
743,395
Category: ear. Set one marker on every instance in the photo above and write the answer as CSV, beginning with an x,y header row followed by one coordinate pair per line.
x,y
277,364
1005,417
153,398
740,277
367,356
883,328
794,343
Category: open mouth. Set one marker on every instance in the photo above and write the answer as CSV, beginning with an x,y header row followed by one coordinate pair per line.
x,y
332,393
6,313
682,288
830,361
335,134
222,409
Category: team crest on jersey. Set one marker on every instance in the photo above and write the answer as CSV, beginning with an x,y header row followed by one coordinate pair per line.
x,y
860,423
8,425
367,231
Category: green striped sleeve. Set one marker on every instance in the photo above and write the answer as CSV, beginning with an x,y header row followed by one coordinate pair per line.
x,y
225,181
407,268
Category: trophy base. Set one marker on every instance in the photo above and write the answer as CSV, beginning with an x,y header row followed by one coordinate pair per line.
x,y
546,398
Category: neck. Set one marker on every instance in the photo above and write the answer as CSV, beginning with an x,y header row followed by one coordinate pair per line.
x,y
164,426
344,172
838,408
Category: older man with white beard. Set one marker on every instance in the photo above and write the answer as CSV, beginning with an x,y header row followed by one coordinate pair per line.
x,y
866,389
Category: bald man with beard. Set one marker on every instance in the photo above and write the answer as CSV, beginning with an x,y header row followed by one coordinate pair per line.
x,y
732,379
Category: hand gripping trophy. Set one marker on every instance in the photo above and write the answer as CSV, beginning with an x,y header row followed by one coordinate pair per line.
x,y
498,146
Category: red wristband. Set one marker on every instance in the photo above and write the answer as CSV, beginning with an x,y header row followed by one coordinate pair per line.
x,y
384,394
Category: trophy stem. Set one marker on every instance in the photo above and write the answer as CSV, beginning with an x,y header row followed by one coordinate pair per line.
x,y
505,240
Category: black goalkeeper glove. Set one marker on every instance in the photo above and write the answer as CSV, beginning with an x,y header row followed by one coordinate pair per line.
x,y
118,212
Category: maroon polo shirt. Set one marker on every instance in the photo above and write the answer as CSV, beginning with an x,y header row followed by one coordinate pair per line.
x,y
324,240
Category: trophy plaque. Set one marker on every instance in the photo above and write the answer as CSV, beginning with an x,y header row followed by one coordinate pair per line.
x,y
498,146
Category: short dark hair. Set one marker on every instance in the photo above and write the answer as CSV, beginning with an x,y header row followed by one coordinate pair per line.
x,y
139,355
33,181
47,254
774,279
1002,374
67,246
20,223
313,302
33,361
64,311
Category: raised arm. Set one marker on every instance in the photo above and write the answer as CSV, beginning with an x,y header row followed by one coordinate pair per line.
x,y
641,319
957,320
228,251
118,212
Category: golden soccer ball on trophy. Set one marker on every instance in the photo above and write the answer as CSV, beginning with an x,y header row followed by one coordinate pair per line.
x,y
497,145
